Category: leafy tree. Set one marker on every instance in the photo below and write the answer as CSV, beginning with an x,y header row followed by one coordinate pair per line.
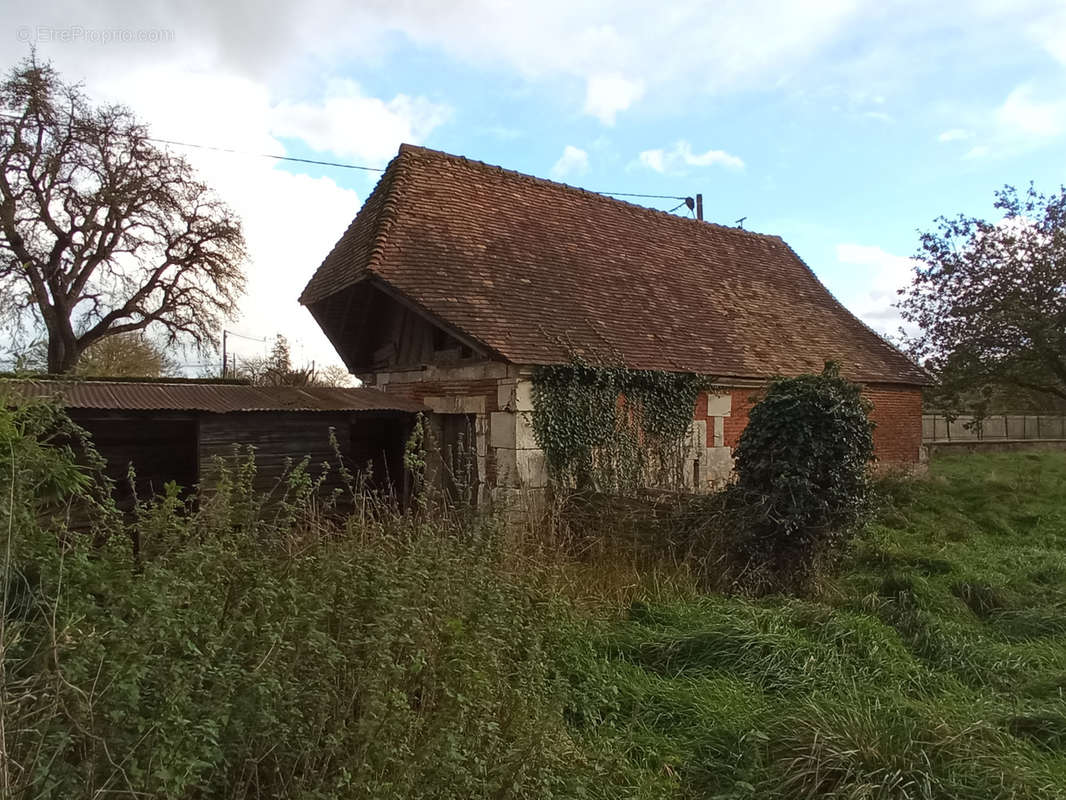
x,y
801,468
990,300
126,355
102,233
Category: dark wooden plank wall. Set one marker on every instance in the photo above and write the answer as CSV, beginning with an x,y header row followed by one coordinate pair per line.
x,y
277,436
160,446
171,446
406,340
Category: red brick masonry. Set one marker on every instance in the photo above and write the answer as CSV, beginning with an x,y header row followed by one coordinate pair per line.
x,y
897,412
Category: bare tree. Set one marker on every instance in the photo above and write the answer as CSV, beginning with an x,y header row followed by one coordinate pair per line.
x,y
101,232
276,369
334,375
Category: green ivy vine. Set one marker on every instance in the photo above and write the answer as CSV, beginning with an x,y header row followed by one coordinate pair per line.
x,y
611,428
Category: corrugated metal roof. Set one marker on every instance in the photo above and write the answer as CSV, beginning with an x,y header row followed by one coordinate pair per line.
x,y
214,398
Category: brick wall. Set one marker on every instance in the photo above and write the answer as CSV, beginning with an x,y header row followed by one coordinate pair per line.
x,y
897,410
734,424
485,388
498,396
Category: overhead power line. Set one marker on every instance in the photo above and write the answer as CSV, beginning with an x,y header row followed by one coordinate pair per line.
x,y
267,155
245,336
653,196
246,152
341,165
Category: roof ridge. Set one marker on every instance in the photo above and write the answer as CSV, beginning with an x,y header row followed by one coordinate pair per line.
x,y
415,150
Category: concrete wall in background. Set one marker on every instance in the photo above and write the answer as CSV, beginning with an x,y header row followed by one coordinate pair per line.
x,y
995,428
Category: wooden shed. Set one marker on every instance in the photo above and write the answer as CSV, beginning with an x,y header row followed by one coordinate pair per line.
x,y
175,431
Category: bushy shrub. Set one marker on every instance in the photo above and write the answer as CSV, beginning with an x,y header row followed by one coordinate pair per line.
x,y
801,468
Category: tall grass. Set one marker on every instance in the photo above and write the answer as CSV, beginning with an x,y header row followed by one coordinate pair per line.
x,y
246,648
260,649
933,665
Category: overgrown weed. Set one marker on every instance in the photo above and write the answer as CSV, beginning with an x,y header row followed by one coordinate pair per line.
x,y
247,650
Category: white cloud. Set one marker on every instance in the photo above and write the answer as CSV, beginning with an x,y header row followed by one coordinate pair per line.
x,y
881,274
1049,31
880,116
1024,113
681,155
573,161
606,95
653,159
955,135
351,124
618,52
290,220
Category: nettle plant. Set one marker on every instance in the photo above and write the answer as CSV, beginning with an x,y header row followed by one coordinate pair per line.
x,y
612,428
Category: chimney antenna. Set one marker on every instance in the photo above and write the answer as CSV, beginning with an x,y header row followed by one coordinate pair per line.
x,y
740,222
699,207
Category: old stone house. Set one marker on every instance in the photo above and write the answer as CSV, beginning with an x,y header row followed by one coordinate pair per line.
x,y
456,278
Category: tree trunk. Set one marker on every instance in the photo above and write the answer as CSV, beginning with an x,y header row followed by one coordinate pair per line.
x,y
62,356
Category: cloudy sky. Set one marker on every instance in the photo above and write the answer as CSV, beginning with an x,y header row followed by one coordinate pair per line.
x,y
841,125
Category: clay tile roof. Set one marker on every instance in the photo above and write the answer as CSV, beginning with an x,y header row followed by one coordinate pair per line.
x,y
214,398
534,270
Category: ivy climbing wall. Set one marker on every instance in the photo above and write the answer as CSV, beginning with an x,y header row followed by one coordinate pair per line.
x,y
512,465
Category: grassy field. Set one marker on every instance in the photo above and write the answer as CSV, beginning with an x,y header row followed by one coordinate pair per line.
x,y
245,651
932,666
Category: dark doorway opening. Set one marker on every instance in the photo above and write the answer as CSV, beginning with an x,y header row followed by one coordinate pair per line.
x,y
377,447
457,453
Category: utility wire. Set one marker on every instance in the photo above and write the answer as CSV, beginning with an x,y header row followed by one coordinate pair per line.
x,y
267,155
654,196
341,165
245,152
243,336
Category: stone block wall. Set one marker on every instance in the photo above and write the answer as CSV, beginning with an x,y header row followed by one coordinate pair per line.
x,y
499,397
467,389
